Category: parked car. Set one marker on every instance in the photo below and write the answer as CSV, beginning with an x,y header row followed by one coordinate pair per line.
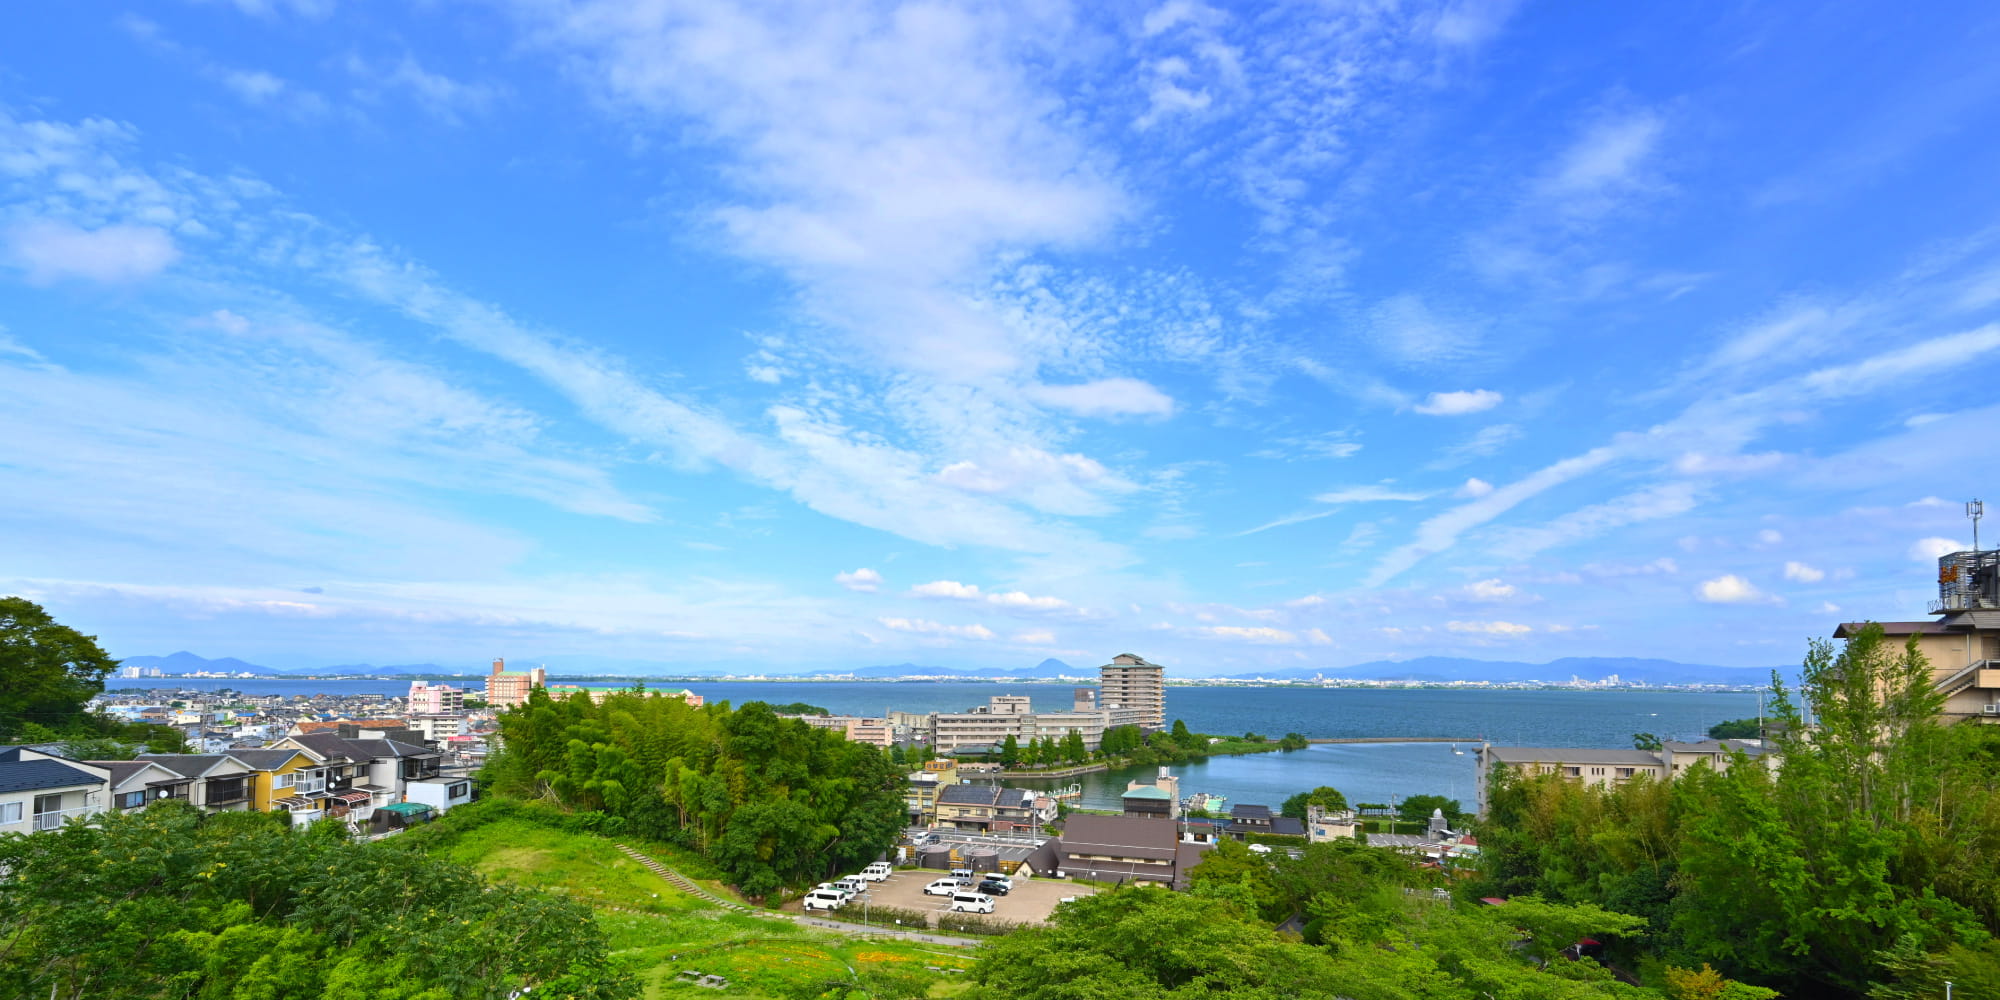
x,y
852,884
942,887
972,902
1006,880
962,874
822,899
832,887
992,888
1260,848
877,872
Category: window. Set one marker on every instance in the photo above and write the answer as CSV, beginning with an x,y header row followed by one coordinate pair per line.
x,y
1992,644
1624,772
1573,772
285,780
10,812
459,791
131,800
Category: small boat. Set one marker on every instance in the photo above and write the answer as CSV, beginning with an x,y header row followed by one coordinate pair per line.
x,y
1456,750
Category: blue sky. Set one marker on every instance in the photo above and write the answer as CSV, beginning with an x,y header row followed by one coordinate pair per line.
x,y
789,336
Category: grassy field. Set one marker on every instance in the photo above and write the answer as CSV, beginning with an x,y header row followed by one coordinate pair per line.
x,y
658,931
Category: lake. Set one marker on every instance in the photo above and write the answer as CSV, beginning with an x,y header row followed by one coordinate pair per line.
x,y
1364,772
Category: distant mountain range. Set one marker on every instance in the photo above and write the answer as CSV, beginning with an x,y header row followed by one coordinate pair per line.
x,y
1046,668
1589,668
185,662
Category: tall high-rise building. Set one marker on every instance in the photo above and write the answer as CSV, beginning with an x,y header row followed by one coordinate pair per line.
x,y
508,688
1129,682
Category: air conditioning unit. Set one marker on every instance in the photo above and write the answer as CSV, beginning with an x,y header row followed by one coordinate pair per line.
x,y
1990,709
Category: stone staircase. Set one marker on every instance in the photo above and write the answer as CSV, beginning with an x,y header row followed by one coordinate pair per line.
x,y
684,884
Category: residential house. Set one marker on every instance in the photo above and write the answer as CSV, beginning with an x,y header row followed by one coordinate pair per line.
x,y
988,808
1246,819
1322,826
1124,849
41,791
136,784
920,797
364,774
217,782
288,780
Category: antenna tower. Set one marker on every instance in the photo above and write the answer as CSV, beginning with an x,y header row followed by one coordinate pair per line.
x,y
1975,510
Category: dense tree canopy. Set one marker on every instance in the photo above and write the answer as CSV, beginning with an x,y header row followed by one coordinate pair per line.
x,y
48,671
1325,797
1861,865
166,902
772,801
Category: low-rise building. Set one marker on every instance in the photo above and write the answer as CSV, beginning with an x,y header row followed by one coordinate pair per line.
x,y
1125,849
510,688
986,808
435,699
42,791
136,784
1609,768
920,797
1322,826
217,782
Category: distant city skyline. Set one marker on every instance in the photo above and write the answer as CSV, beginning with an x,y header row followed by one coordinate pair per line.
x,y
820,336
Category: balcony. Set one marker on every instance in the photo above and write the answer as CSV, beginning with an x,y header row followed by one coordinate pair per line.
x,y
54,819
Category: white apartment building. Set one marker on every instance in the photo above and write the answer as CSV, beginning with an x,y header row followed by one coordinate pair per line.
x,y
1129,682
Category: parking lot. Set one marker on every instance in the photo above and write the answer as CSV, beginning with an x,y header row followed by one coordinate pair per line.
x,y
1031,902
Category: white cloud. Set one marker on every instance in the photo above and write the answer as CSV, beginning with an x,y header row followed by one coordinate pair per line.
x,y
1111,397
947,588
1609,157
1490,590
1730,589
919,626
1507,630
1922,419
50,251
1452,404
1474,488
1036,637
1827,608
1799,572
1019,601
435,92
1318,637
1252,634
1932,549
1695,463
1770,536
1289,519
1410,332
1308,601
1469,23
864,580
1368,494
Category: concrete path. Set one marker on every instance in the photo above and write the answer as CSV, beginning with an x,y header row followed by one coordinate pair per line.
x,y
683,883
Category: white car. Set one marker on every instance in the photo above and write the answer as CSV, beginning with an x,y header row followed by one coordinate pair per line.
x,y
942,887
1260,848
821,899
877,872
834,887
972,902
852,884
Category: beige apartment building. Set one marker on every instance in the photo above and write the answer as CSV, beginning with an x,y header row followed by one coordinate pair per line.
x,y
1963,642
1609,768
1129,682
509,688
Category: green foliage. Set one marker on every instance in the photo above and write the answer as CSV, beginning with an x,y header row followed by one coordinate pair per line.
x,y
799,708
1293,741
1325,797
166,902
1010,751
1418,809
1863,863
1736,729
774,802
1647,741
51,671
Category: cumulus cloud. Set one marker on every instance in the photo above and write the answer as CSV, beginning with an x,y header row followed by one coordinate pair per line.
x,y
1933,549
1474,488
1037,637
1452,404
947,588
864,580
1490,590
50,251
1506,630
1729,589
1024,602
1799,572
1111,397
1308,601
919,626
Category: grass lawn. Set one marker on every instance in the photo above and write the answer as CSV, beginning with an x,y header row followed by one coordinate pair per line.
x,y
761,956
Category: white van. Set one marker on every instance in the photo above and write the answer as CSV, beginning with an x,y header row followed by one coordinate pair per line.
x,y
852,884
824,899
972,902
961,874
877,872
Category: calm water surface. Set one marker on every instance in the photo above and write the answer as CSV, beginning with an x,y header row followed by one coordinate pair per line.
x,y
1365,772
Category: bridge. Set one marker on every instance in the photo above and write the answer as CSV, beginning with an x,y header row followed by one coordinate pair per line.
x,y
1400,739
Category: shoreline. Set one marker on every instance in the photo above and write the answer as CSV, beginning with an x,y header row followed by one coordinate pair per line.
x,y
169,683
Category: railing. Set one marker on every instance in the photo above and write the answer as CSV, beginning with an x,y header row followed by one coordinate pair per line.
x,y
1965,676
53,820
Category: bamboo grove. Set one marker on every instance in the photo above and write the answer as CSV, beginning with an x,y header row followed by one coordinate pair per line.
x,y
1861,863
773,802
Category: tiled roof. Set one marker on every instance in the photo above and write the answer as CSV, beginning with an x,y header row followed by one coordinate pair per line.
x,y
333,726
1245,810
1286,825
194,765
19,775
969,795
1119,836
264,760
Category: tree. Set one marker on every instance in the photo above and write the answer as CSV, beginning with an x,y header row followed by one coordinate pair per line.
x,y
1418,809
1010,751
1073,749
1736,729
48,672
1293,741
1647,741
1325,797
